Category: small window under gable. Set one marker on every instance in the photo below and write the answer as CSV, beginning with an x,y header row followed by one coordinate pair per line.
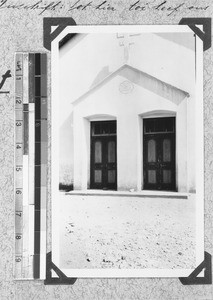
x,y
103,128
159,125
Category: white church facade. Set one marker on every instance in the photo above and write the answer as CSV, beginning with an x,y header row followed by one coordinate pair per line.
x,y
133,127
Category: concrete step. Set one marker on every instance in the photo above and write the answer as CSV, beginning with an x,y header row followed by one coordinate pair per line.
x,y
144,194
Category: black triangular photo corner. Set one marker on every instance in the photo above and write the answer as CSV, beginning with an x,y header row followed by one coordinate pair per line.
x,y
204,35
62,278
206,265
61,24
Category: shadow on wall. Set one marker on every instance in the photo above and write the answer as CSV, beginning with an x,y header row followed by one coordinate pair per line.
x,y
65,187
66,154
66,177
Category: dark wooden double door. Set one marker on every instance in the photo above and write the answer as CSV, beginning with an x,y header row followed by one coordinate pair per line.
x,y
103,173
159,154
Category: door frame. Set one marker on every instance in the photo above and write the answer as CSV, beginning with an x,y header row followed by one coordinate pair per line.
x,y
158,114
104,139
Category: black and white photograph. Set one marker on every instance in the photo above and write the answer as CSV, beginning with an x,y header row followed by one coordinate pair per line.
x,y
106,128
127,151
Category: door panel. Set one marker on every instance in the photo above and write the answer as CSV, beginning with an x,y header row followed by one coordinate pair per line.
x,y
152,178
167,176
159,154
98,176
151,145
97,163
167,161
111,151
98,152
110,163
167,150
111,176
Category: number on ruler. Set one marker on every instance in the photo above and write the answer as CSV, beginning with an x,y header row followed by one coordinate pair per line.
x,y
18,100
19,214
18,147
18,259
18,236
18,169
18,192
18,123
18,65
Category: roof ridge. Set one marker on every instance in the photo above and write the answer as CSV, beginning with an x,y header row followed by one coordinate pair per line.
x,y
111,75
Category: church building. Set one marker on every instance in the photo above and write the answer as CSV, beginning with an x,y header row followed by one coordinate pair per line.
x,y
128,112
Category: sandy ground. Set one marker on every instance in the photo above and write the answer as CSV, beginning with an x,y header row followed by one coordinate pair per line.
x,y
126,232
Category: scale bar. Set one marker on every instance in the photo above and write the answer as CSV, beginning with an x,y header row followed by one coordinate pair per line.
x,y
30,165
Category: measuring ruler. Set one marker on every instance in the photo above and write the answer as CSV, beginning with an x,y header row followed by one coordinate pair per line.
x,y
30,165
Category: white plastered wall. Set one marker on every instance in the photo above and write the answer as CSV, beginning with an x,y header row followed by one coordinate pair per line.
x,y
107,102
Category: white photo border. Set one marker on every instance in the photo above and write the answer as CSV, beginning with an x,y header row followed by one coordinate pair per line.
x,y
199,142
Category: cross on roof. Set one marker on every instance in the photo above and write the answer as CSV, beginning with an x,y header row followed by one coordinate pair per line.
x,y
126,43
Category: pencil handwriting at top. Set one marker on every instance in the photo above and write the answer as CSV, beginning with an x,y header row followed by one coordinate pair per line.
x,y
4,77
141,6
